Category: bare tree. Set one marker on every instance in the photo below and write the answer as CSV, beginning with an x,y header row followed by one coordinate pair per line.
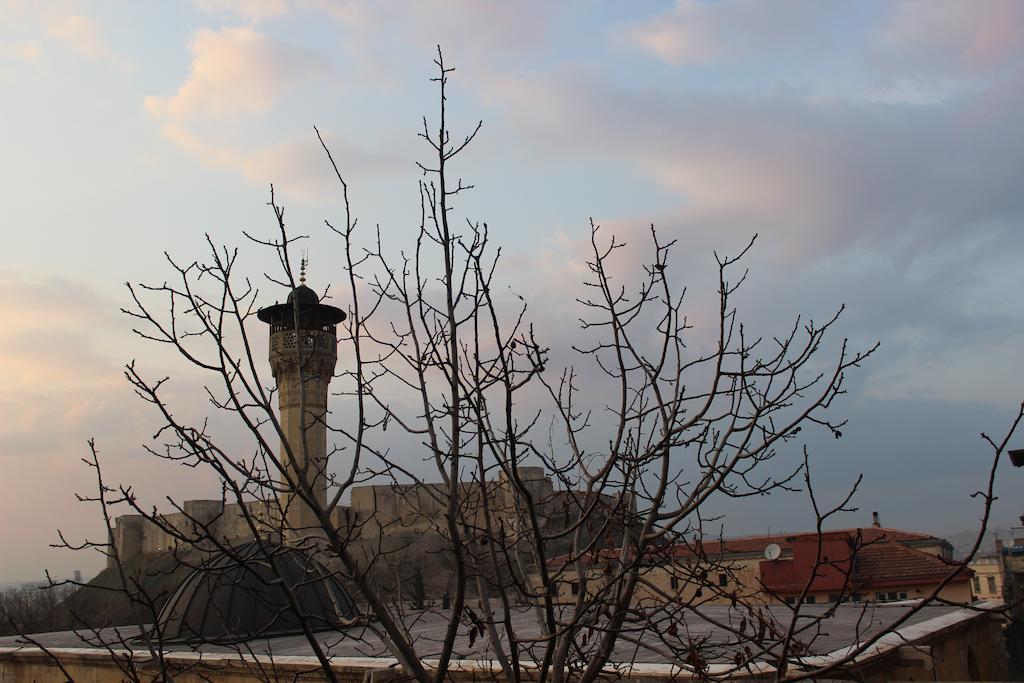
x,y
526,483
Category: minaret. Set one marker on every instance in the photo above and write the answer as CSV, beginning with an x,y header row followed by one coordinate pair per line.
x,y
303,352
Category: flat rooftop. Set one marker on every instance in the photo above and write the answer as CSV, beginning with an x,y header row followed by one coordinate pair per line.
x,y
851,623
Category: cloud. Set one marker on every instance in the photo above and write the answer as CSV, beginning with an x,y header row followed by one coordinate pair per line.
x,y
300,168
56,380
240,75
236,72
476,35
240,78
695,32
24,51
82,34
31,26
812,177
923,34
909,213
61,349
968,36
59,389
253,10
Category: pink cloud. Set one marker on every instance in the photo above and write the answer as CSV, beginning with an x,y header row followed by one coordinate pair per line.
x,y
82,34
696,32
811,176
235,72
241,75
254,10
61,349
973,36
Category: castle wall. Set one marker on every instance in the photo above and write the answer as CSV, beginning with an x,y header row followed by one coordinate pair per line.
x,y
378,514
135,535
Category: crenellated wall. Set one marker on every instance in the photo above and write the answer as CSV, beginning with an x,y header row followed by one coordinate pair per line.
x,y
375,512
201,524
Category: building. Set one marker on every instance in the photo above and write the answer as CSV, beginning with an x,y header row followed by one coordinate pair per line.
x,y
990,581
303,354
865,565
868,564
392,514
999,578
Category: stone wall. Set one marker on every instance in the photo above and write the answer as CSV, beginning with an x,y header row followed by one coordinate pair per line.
x,y
390,512
135,535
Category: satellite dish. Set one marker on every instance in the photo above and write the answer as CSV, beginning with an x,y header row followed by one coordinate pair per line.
x,y
772,551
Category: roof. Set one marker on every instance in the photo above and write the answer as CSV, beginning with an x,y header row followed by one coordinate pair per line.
x,y
843,626
304,295
255,589
728,546
755,545
871,534
312,313
891,564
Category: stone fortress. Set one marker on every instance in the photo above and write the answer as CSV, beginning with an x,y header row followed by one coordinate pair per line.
x,y
391,512
303,353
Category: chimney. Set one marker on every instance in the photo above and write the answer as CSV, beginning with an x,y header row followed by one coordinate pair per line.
x,y
874,521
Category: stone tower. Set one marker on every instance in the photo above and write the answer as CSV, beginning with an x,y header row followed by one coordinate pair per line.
x,y
303,352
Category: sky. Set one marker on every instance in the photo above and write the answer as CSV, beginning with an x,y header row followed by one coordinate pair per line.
x,y
874,147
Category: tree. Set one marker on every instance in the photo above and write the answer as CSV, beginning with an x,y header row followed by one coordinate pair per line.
x,y
495,421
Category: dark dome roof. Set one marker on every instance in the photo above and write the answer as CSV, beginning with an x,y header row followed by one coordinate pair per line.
x,y
312,314
243,594
305,295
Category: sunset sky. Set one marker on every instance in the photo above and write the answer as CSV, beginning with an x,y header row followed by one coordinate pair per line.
x,y
876,148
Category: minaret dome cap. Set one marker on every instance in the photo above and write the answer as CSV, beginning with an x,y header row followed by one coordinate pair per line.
x,y
312,313
304,295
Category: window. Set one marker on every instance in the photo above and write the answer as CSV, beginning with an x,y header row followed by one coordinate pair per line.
x,y
991,584
723,579
810,600
575,588
891,596
857,597
674,583
977,584
790,600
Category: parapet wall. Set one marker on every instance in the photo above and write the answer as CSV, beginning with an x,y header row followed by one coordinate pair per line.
x,y
204,521
959,646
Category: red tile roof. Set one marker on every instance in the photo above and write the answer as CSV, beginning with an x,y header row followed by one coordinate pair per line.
x,y
728,546
861,559
891,564
872,534
756,544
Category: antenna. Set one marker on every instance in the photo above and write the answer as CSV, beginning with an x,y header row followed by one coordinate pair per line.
x,y
772,551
